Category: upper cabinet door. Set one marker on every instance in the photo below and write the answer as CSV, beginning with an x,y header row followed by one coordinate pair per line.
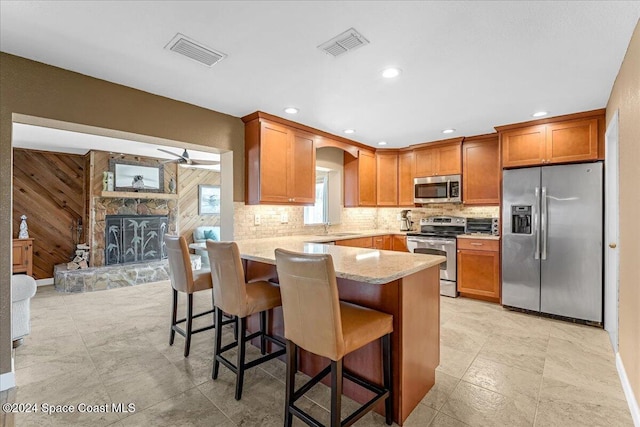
x,y
274,163
572,141
424,161
405,178
367,178
280,164
302,168
481,172
387,179
523,147
449,160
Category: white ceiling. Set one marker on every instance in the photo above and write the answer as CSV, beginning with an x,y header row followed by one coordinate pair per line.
x,y
64,141
466,65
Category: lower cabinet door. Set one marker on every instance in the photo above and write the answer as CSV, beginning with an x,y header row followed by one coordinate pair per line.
x,y
479,274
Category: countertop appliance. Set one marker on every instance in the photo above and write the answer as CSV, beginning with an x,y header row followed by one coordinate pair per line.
x,y
552,235
438,189
437,236
482,226
405,220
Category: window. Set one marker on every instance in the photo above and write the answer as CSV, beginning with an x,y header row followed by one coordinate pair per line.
x,y
318,213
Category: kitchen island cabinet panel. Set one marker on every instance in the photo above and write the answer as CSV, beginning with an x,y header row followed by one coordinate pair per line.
x,y
414,302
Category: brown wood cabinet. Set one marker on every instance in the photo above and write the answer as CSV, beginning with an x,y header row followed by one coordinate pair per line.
x,y
387,242
383,242
438,158
387,178
360,179
359,242
280,164
405,178
566,139
399,243
22,255
481,172
479,269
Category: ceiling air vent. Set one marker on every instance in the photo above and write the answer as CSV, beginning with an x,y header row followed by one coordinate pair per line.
x,y
193,50
349,40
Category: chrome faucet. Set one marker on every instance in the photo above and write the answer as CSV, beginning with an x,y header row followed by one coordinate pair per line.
x,y
326,227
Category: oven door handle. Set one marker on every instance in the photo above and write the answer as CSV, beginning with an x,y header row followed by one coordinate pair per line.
x,y
432,242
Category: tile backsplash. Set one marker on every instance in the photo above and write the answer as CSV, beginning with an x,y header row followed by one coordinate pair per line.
x,y
352,219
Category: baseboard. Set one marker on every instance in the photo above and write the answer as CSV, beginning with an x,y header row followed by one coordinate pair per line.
x,y
7,381
44,282
628,391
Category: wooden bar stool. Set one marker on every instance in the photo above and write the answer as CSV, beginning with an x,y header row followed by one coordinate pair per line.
x,y
184,279
234,296
316,321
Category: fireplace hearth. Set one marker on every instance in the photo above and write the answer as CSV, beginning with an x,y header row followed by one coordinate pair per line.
x,y
134,238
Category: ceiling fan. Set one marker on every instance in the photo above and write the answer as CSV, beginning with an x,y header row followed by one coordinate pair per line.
x,y
184,159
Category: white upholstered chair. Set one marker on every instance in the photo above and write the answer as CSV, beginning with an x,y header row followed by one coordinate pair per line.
x,y
23,288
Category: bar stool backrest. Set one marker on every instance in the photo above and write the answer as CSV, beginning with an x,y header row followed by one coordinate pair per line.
x,y
310,304
179,263
227,275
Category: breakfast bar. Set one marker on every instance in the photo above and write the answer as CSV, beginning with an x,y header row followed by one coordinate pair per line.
x,y
402,284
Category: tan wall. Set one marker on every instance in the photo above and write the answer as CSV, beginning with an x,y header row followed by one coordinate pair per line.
x,y
36,89
625,97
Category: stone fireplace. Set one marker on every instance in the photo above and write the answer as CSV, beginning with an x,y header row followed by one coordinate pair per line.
x,y
134,238
146,214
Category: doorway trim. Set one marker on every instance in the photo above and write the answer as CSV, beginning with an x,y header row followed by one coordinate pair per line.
x,y
612,232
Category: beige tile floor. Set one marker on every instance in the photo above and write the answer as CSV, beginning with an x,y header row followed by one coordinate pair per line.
x,y
498,368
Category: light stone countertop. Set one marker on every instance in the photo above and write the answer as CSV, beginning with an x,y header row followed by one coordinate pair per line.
x,y
478,236
360,264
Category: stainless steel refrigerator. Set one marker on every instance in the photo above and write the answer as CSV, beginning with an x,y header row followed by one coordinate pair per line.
x,y
552,240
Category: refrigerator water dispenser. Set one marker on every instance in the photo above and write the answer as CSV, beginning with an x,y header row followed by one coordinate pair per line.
x,y
521,219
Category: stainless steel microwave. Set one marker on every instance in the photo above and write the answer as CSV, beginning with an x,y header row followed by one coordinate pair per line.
x,y
438,189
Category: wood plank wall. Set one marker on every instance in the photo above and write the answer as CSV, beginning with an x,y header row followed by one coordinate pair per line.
x,y
49,189
188,218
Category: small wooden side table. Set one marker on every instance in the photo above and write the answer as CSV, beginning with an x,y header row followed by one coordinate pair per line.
x,y
23,256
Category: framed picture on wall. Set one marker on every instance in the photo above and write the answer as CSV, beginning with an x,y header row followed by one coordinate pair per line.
x,y
137,176
209,199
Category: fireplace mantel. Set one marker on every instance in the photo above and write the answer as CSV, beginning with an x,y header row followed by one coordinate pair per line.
x,y
138,195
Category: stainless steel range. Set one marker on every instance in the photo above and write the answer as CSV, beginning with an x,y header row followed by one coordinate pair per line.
x,y
437,236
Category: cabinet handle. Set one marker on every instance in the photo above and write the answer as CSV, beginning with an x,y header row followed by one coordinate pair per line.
x,y
476,244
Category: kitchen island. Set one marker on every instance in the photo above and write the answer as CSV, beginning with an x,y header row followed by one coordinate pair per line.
x,y
404,285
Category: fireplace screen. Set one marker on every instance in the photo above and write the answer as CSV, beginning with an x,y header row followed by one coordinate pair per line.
x,y
134,238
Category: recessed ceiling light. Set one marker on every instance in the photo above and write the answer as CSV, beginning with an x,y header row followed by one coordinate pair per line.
x,y
349,131
382,143
291,110
540,114
448,131
390,73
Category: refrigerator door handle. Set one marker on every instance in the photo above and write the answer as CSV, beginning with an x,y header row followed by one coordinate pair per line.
x,y
544,223
536,223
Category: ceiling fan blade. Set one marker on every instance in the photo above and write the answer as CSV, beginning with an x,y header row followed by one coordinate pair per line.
x,y
169,152
205,162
